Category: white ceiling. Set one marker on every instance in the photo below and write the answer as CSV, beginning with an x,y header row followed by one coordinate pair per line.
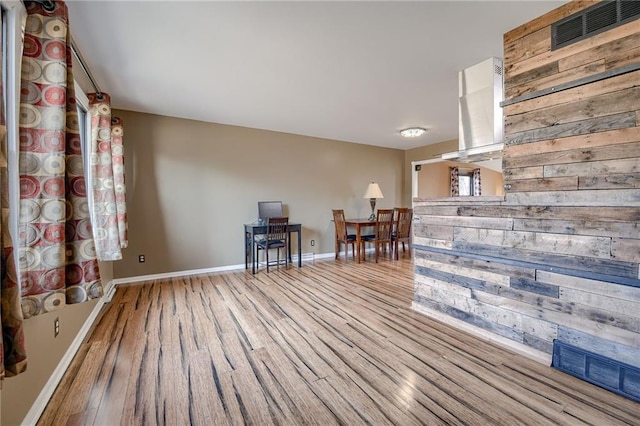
x,y
352,71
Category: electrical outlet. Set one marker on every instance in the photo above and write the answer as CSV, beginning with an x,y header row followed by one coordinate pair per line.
x,y
56,327
141,258
313,243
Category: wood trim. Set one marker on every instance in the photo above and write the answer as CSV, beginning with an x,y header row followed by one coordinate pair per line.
x,y
542,266
625,69
575,48
546,20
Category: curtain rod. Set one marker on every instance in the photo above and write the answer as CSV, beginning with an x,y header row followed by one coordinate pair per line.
x,y
85,68
49,5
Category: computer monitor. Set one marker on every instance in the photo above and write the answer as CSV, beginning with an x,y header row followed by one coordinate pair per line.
x,y
268,209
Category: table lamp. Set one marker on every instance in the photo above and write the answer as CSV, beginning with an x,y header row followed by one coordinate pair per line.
x,y
373,191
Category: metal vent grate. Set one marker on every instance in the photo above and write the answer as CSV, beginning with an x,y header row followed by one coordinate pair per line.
x,y
569,30
497,70
601,17
611,374
629,9
591,21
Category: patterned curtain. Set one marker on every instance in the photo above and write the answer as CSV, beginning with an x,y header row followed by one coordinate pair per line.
x,y
13,357
455,182
56,249
107,167
477,184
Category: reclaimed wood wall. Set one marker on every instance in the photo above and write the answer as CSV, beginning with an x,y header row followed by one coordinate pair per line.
x,y
557,257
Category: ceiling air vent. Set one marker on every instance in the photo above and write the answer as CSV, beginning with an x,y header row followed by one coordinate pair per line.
x,y
593,20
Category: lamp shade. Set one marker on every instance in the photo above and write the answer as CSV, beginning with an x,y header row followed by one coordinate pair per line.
x,y
373,191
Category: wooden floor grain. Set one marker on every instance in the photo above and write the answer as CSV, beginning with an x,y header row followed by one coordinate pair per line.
x,y
330,343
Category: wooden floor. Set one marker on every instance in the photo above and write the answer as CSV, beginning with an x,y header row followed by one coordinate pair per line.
x,y
330,343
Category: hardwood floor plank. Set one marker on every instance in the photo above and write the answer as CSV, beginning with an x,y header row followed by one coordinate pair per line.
x,y
575,390
172,400
72,394
415,391
344,411
290,392
471,347
214,301
560,397
250,395
333,342
299,350
142,385
592,416
206,406
424,371
115,372
359,372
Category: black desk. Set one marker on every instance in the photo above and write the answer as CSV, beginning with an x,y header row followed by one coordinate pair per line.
x,y
253,229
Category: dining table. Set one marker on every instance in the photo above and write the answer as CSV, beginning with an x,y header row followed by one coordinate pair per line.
x,y
359,224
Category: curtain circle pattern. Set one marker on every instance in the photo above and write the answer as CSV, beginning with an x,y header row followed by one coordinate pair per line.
x,y
52,184
107,167
454,182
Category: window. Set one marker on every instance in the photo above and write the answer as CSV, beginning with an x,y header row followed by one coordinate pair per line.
x,y
12,17
84,122
465,184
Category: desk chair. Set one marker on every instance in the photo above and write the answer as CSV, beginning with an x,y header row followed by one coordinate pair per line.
x,y
383,228
402,228
267,209
342,237
277,237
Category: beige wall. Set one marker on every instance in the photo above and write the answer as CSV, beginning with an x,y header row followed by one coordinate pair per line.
x,y
492,182
434,179
428,152
191,186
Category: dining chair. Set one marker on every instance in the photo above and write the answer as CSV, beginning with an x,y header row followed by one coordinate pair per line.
x,y
277,237
403,217
342,236
383,227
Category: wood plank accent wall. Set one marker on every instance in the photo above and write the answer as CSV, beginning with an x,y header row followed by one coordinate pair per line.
x,y
558,256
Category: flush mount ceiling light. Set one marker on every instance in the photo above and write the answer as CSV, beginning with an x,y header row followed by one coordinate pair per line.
x,y
413,132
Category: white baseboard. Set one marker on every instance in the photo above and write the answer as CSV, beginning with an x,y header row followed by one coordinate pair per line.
x,y
325,255
38,406
119,281
139,278
310,257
